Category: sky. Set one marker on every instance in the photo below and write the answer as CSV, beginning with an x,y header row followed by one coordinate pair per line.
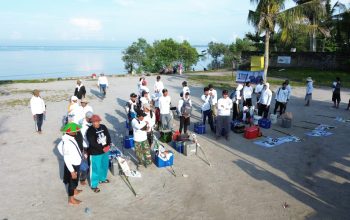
x,y
120,22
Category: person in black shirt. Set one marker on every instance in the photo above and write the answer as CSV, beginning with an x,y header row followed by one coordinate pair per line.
x,y
80,90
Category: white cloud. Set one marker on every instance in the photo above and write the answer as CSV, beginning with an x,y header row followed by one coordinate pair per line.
x,y
86,24
125,2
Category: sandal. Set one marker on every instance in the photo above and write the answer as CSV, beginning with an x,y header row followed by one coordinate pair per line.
x,y
106,181
96,190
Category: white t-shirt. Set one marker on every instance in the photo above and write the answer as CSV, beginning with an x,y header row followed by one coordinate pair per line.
x,y
139,135
185,90
247,92
158,86
206,105
151,120
224,106
164,105
259,88
214,97
37,105
102,80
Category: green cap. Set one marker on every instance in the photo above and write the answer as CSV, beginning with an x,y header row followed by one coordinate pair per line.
x,y
71,128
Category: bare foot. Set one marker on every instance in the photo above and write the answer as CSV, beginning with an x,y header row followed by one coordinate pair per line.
x,y
73,201
83,183
77,191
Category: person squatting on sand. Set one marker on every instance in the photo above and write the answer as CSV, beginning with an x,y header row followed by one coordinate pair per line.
x,y
38,108
99,145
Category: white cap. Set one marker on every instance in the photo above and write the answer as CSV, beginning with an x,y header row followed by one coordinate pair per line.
x,y
74,98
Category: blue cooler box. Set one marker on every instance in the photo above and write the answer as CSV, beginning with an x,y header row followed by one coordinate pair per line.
x,y
160,162
234,123
264,123
178,146
199,128
129,142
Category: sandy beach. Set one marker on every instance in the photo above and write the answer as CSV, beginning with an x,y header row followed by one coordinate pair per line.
x,y
245,181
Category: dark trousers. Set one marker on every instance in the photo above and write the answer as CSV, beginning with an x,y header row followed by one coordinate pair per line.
x,y
184,123
67,179
280,105
209,115
263,110
235,111
150,138
223,123
247,102
39,121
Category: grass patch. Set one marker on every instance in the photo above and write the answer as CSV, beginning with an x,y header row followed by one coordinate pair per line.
x,y
320,77
16,102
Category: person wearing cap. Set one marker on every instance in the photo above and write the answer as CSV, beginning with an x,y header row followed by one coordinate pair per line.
x,y
236,99
265,101
224,113
158,85
38,108
130,109
309,90
151,119
281,98
206,108
185,88
184,108
80,90
72,157
85,105
213,100
245,116
247,95
84,143
142,148
76,113
99,144
164,108
102,83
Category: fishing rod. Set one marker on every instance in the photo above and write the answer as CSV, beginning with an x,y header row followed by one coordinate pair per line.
x,y
198,146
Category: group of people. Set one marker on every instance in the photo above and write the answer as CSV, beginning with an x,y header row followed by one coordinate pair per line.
x,y
87,141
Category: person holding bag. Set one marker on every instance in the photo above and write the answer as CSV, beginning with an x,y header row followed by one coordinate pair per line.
x,y
68,148
99,145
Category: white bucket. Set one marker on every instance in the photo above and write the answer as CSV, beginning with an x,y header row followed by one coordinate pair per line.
x,y
273,118
256,119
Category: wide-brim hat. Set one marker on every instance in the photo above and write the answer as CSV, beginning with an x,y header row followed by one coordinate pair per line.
x,y
95,118
84,100
309,79
71,127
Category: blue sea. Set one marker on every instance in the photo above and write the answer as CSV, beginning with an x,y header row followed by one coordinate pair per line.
x,y
38,62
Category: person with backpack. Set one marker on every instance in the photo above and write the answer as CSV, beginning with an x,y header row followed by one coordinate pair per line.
x,y
130,109
72,156
247,95
236,98
99,144
142,147
282,95
206,109
184,108
80,90
336,93
151,119
223,118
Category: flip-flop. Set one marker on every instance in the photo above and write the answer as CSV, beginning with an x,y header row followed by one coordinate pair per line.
x,y
106,181
96,190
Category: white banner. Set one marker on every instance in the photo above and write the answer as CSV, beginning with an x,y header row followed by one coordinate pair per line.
x,y
249,76
284,59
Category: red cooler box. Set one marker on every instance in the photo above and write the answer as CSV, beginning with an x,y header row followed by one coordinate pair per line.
x,y
252,132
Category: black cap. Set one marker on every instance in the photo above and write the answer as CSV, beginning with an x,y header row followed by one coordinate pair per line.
x,y
141,113
133,95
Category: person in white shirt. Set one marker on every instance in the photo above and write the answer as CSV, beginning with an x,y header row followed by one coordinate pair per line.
x,y
102,83
236,99
151,119
213,100
145,99
247,95
142,148
130,109
86,107
289,88
164,108
206,109
258,89
309,90
281,98
265,101
72,157
158,86
224,113
38,108
184,108
185,88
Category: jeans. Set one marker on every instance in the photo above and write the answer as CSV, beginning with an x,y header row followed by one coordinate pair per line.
x,y
39,121
208,114
166,121
223,122
103,88
184,123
